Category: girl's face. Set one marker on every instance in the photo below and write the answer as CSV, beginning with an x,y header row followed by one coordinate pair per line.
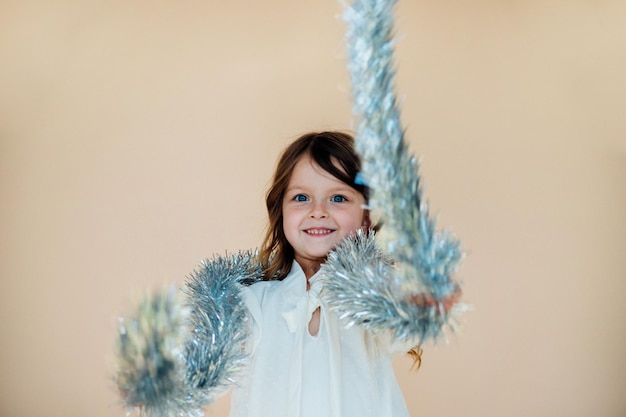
x,y
318,212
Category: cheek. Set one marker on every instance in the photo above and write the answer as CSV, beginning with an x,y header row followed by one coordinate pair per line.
x,y
288,231
354,221
290,221
286,221
285,214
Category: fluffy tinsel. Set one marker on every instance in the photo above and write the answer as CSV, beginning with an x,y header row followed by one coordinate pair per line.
x,y
214,353
174,357
424,258
359,287
150,375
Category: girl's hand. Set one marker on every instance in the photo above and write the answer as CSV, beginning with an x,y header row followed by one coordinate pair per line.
x,y
427,300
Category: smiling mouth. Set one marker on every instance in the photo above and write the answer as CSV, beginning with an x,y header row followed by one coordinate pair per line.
x,y
318,232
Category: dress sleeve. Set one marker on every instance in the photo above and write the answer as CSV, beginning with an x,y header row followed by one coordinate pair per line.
x,y
255,314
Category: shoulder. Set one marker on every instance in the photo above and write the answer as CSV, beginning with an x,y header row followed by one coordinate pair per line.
x,y
261,288
285,291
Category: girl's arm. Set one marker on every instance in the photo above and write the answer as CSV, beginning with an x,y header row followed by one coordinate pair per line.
x,y
176,356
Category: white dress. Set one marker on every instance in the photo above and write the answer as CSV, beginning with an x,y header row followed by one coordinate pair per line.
x,y
337,373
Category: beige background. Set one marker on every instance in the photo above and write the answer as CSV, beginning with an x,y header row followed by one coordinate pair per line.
x,y
138,137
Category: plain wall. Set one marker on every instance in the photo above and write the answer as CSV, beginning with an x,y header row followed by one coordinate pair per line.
x,y
138,137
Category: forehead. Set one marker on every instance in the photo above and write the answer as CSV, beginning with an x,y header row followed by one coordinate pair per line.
x,y
306,170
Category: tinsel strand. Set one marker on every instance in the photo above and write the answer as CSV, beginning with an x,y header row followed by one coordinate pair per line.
x,y
359,288
425,257
151,364
175,357
214,353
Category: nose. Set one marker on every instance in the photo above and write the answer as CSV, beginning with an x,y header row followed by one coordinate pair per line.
x,y
318,210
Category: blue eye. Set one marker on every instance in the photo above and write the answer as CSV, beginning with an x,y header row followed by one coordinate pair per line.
x,y
338,199
300,197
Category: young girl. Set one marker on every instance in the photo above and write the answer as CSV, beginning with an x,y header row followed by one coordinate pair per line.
x,y
304,362
281,340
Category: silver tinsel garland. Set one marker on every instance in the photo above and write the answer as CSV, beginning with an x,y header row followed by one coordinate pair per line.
x,y
359,286
214,353
425,259
414,295
175,357
150,375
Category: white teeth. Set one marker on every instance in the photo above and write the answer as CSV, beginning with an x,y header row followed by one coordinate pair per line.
x,y
318,232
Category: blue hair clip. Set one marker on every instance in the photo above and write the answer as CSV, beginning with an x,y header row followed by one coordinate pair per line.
x,y
359,180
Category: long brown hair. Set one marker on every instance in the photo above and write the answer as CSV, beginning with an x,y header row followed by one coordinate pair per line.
x,y
334,152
